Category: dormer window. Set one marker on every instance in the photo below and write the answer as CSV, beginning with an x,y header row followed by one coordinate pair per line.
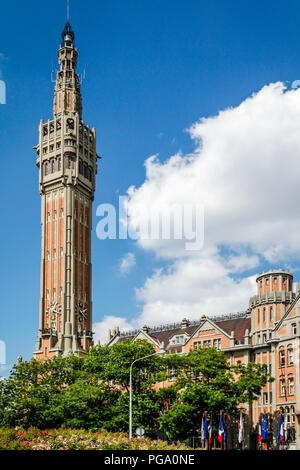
x,y
180,339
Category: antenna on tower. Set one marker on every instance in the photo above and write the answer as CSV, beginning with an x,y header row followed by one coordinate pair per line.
x,y
68,10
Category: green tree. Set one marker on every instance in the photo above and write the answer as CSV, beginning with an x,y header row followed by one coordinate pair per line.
x,y
207,382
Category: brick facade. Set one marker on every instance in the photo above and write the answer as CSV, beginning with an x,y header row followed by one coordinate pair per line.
x,y
267,333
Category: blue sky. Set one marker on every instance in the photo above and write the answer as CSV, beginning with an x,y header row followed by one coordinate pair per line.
x,y
152,70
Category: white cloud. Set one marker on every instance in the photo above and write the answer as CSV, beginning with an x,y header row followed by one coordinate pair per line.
x,y
108,323
127,263
245,171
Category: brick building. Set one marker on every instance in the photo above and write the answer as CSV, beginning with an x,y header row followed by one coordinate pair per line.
x,y
67,163
267,333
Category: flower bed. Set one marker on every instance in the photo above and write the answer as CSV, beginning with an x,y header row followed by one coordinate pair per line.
x,y
69,439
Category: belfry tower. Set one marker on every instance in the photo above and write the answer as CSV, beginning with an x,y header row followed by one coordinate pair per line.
x,y
67,162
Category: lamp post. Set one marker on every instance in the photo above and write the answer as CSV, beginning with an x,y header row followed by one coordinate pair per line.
x,y
130,387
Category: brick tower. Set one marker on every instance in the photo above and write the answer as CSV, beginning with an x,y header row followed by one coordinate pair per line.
x,y
67,162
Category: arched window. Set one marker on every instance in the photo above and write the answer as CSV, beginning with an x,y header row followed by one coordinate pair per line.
x,y
282,357
290,355
291,389
282,387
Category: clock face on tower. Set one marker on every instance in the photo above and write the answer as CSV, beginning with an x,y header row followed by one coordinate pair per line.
x,y
52,313
81,313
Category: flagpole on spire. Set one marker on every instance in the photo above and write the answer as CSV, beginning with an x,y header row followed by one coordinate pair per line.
x,y
68,10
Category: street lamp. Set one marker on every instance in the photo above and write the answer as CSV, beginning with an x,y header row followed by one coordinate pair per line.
x,y
130,387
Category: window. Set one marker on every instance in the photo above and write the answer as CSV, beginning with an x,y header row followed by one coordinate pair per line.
x,y
197,344
282,387
258,339
207,343
282,358
293,414
180,339
294,329
290,356
291,385
271,311
265,398
264,338
217,343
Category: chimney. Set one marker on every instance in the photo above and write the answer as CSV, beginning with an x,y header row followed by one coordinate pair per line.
x,y
145,329
232,340
185,323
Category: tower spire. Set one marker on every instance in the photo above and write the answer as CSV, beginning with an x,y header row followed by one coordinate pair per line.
x,y
67,96
67,162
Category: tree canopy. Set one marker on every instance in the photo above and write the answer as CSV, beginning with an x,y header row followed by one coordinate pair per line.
x,y
92,391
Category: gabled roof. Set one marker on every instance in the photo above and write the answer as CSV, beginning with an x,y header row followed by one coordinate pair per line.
x,y
238,323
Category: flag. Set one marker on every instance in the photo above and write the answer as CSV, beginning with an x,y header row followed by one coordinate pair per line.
x,y
241,429
225,429
280,435
202,429
259,431
205,428
221,430
210,431
265,428
285,428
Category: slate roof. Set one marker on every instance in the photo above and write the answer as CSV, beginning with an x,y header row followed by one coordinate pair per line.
x,y
238,323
